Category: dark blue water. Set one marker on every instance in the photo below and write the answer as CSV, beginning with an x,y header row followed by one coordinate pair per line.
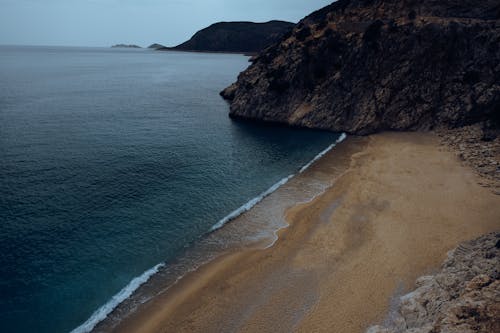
x,y
111,161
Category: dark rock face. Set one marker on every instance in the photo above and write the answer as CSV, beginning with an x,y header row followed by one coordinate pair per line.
x,y
479,148
362,66
464,297
244,37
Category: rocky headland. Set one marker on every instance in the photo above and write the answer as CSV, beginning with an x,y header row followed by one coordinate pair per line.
x,y
362,66
235,37
464,297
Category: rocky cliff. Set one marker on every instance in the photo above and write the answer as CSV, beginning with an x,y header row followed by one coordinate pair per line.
x,y
479,148
244,37
362,66
464,297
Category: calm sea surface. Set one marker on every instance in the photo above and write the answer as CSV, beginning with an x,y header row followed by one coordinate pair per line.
x,y
113,161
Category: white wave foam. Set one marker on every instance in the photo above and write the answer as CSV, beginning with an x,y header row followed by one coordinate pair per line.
x,y
101,313
246,207
341,138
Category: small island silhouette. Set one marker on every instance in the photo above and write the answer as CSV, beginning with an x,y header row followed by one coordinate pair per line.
x,y
128,46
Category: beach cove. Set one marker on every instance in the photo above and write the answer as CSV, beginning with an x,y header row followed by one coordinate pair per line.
x,y
398,202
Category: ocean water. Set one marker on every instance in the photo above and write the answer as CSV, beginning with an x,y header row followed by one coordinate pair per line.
x,y
113,164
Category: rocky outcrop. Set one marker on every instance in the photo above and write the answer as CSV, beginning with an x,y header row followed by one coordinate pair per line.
x,y
463,298
238,37
362,66
479,147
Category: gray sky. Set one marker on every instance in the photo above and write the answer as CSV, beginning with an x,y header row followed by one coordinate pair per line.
x,y
107,22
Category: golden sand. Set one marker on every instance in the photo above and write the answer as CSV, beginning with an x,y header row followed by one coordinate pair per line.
x,y
392,216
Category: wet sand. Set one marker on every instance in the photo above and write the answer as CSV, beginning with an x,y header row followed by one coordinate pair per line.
x,y
392,214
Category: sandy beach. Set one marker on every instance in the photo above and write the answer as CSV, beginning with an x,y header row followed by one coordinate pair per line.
x,y
398,203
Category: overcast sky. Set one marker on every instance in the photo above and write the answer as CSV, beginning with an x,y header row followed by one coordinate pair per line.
x,y
143,22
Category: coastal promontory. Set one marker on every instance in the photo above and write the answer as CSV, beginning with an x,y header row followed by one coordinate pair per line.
x,y
237,37
362,66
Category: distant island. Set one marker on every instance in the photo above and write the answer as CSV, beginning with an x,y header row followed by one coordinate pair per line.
x,y
156,46
237,37
126,46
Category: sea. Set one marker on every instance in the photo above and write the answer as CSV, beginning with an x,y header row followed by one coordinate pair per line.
x,y
120,171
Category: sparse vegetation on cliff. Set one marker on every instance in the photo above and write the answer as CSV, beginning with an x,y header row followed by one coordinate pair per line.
x,y
362,66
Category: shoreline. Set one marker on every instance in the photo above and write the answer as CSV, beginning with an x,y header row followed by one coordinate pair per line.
x,y
385,222
116,307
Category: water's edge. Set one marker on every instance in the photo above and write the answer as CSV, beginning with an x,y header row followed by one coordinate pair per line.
x,y
102,313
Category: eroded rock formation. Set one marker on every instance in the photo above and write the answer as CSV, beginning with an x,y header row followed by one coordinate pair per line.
x,y
464,297
362,66
478,147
